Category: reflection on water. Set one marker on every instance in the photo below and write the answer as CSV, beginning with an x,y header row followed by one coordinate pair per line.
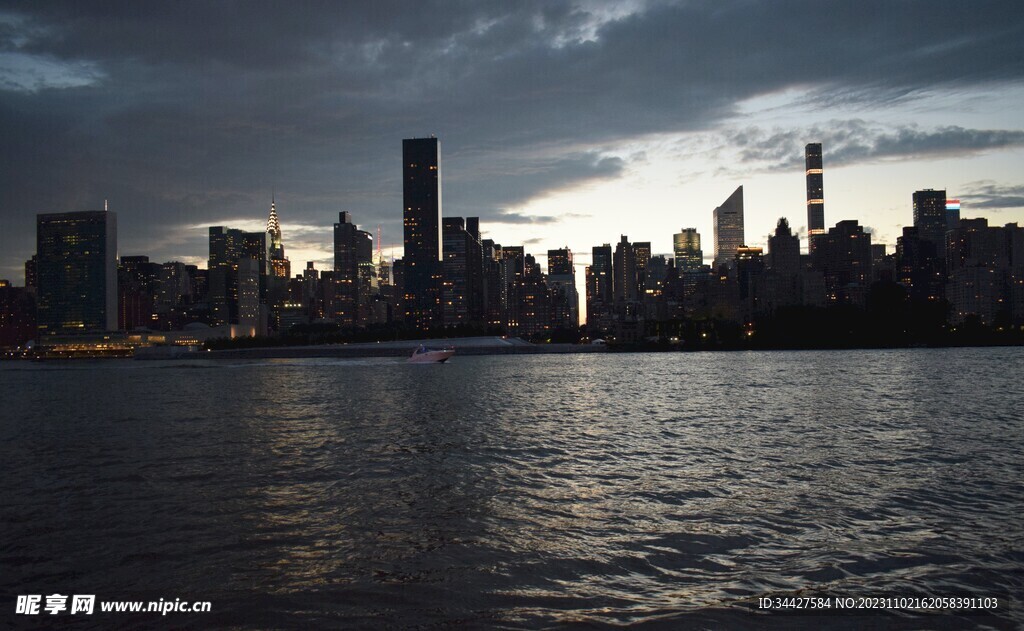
x,y
517,491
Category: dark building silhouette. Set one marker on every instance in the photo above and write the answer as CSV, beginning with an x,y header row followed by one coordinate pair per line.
x,y
599,284
815,192
494,285
398,278
603,277
562,285
917,268
882,265
175,285
784,268
535,310
1015,245
17,315
31,276
514,275
225,250
560,262
693,291
353,252
238,267
843,255
641,258
462,294
310,296
137,286
728,225
173,296
750,281
624,273
76,272
654,288
980,273
628,311
930,220
421,194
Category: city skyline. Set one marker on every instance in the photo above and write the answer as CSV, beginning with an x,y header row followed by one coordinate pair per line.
x,y
444,269
544,140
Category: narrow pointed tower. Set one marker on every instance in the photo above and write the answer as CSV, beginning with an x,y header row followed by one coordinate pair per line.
x,y
274,232
280,265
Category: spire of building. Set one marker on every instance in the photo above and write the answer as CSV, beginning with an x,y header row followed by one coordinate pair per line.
x,y
273,225
280,265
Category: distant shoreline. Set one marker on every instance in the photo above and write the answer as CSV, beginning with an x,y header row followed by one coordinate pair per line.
x,y
391,349
464,347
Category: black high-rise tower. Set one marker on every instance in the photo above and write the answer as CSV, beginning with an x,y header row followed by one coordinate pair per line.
x,y
421,192
815,193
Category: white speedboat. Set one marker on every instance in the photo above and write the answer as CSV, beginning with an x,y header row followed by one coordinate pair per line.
x,y
424,355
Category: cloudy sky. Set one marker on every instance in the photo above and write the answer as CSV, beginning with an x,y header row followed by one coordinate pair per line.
x,y
561,123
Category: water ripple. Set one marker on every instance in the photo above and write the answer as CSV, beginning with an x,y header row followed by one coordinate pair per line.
x,y
519,492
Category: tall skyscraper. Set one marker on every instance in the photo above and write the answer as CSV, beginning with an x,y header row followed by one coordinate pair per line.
x,y
601,264
562,283
624,272
815,193
728,224
600,296
31,274
225,250
535,300
76,269
137,289
280,267
251,310
784,267
930,219
784,248
641,258
514,269
915,266
233,281
493,283
421,194
463,271
687,249
353,254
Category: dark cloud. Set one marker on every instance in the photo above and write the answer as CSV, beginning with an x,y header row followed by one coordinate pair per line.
x,y
181,112
855,141
988,195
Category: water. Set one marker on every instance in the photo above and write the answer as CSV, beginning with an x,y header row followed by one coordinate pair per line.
x,y
659,490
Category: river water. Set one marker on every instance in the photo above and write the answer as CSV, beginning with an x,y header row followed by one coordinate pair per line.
x,y
657,490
